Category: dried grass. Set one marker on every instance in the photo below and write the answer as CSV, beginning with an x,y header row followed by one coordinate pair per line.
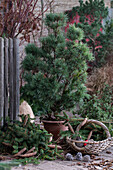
x,y
101,76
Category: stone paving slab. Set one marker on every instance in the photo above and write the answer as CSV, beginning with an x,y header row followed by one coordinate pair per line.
x,y
68,165
52,165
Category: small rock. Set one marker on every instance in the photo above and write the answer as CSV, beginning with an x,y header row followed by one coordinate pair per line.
x,y
25,109
78,156
69,157
86,158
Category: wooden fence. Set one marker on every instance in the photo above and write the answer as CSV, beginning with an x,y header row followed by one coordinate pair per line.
x,y
9,79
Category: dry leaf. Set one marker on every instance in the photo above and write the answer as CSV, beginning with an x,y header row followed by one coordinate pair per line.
x,y
108,152
78,163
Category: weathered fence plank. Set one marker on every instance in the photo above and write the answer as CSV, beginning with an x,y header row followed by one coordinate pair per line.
x,y
16,60
9,79
1,80
11,94
5,78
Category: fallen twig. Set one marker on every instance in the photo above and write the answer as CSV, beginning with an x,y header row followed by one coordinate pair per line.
x,y
90,134
19,153
53,146
71,128
81,124
31,150
28,155
5,158
6,144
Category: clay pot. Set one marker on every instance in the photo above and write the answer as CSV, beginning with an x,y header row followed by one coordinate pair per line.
x,y
54,127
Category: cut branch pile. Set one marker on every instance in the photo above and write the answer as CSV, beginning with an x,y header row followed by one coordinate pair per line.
x,y
25,139
29,153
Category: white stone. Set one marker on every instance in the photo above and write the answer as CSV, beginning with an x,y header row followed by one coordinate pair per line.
x,y
26,109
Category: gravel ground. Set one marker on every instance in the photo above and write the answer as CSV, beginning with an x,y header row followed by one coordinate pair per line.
x,y
104,161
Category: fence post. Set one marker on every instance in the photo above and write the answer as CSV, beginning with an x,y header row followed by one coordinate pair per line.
x,y
16,78
9,79
11,95
5,78
1,80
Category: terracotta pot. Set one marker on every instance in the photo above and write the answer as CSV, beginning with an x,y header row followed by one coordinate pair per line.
x,y
54,127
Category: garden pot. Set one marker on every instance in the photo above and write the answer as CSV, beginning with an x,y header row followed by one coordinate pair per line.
x,y
54,127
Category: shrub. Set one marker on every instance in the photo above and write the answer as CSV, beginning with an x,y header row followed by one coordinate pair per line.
x,y
98,37
98,106
55,73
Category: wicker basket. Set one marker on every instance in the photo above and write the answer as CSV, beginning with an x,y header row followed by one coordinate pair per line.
x,y
92,147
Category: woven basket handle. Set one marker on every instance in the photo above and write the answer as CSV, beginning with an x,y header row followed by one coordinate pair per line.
x,y
86,121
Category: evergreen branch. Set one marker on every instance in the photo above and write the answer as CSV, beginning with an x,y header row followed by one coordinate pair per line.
x,y
65,87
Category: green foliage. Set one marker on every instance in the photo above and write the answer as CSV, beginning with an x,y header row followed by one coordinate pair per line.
x,y
55,73
106,41
91,13
8,165
95,8
5,168
98,106
25,161
75,33
19,135
68,133
110,127
55,21
84,131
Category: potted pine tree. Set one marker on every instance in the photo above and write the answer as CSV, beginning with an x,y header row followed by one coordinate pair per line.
x,y
55,72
